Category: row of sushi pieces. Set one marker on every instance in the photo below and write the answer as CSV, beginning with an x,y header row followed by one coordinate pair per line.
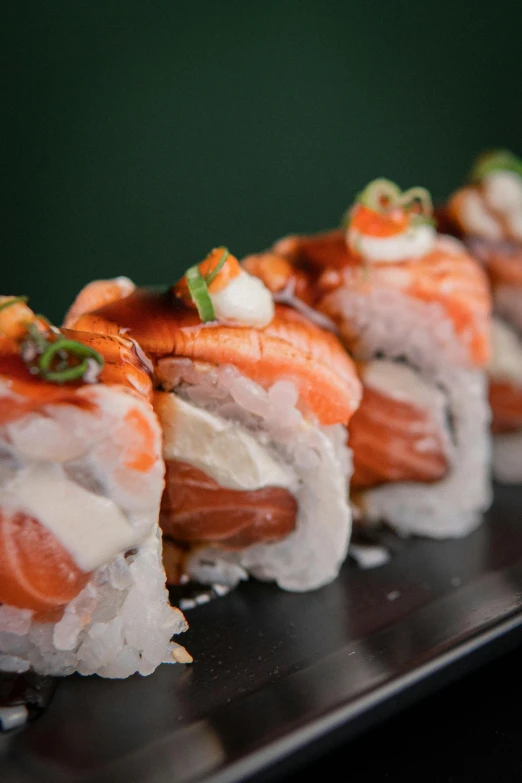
x,y
233,424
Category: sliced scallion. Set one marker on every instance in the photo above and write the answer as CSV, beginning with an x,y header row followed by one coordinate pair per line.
x,y
383,195
417,197
63,350
380,194
198,290
67,373
61,360
14,300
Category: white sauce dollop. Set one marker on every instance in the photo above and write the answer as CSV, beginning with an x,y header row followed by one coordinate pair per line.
x,y
91,528
506,353
222,449
415,242
245,301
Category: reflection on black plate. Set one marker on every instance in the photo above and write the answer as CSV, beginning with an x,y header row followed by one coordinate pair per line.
x,y
23,697
275,673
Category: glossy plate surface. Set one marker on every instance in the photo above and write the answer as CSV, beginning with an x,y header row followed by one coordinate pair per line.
x,y
277,674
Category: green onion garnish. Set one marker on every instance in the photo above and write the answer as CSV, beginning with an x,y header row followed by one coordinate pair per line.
x,y
52,360
383,195
417,198
380,193
198,290
13,301
495,160
198,287
63,349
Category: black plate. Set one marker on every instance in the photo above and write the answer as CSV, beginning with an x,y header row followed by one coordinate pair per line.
x,y
277,675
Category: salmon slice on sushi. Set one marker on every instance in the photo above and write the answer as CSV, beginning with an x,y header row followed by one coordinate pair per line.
x,y
253,401
487,215
82,584
413,308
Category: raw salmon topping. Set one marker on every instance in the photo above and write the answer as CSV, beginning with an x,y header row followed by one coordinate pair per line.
x,y
320,269
289,348
96,294
394,440
15,317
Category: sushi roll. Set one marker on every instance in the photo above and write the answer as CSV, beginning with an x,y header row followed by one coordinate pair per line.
x,y
82,585
487,215
253,401
413,308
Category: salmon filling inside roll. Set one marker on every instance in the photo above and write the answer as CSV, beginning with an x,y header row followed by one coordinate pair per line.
x,y
36,571
505,370
195,508
400,431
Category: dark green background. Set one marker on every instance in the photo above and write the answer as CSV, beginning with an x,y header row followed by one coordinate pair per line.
x,y
137,135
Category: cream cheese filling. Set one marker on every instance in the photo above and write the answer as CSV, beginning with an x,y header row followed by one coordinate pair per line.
x,y
92,528
223,449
